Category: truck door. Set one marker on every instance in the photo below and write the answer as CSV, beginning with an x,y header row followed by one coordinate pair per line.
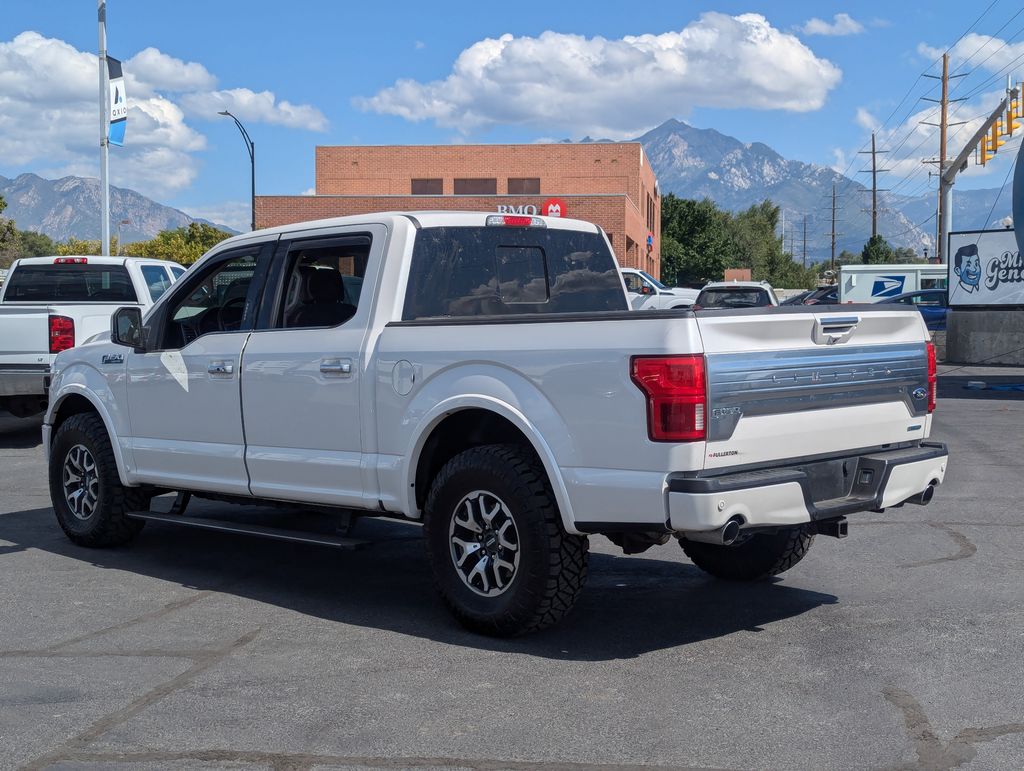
x,y
183,394
304,378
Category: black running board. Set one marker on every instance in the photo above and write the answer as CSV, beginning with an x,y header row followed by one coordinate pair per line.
x,y
260,531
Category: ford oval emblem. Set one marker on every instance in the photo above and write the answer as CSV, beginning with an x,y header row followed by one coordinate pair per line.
x,y
920,393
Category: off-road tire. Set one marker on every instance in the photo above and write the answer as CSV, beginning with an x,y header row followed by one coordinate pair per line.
x,y
760,556
552,564
108,525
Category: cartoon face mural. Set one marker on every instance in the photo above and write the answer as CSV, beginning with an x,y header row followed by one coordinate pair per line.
x,y
967,266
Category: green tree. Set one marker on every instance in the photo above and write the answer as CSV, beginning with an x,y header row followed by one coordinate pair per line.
x,y
8,238
697,236
32,244
904,254
184,245
877,251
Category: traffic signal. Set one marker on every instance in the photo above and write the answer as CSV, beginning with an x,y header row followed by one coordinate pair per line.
x,y
1012,115
983,150
996,141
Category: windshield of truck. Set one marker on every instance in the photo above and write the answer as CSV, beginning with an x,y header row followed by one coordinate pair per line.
x,y
653,280
492,271
70,283
733,297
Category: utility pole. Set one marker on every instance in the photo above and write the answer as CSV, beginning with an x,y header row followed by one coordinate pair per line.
x,y
945,202
833,233
944,189
101,10
805,241
874,183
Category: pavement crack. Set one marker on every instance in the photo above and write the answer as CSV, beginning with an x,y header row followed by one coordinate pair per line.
x,y
205,661
967,549
932,752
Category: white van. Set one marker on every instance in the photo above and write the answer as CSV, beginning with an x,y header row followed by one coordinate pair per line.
x,y
872,283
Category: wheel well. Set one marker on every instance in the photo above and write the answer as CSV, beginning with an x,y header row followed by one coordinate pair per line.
x,y
458,432
73,404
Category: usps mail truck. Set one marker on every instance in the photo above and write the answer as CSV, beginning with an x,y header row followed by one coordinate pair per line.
x,y
873,283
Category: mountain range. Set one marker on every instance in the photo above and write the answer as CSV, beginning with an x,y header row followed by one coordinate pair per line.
x,y
694,163
690,162
69,207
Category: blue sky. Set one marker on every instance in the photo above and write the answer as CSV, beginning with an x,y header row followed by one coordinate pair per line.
x,y
330,69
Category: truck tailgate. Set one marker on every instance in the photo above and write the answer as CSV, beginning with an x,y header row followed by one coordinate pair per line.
x,y
24,334
786,384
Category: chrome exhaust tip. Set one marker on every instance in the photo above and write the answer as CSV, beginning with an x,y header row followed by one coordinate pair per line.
x,y
924,497
723,536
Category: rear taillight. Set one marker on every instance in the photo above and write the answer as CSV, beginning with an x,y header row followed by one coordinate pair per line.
x,y
933,378
62,333
675,387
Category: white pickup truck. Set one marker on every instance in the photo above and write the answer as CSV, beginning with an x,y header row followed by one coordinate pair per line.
x,y
49,304
483,374
645,292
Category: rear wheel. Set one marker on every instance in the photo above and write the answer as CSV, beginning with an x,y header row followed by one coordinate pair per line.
x,y
500,558
88,498
757,556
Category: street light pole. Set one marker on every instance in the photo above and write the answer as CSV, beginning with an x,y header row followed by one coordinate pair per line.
x,y
251,147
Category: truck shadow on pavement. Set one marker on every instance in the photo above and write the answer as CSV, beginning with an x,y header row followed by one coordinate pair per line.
x,y
19,433
630,606
997,387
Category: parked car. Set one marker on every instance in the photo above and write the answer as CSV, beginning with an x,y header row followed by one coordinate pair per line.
x,y
823,295
49,304
933,304
735,294
485,375
647,293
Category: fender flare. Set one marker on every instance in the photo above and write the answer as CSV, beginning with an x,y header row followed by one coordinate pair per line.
x,y
77,389
439,412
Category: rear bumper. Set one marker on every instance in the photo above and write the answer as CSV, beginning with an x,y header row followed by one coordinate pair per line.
x,y
29,380
806,492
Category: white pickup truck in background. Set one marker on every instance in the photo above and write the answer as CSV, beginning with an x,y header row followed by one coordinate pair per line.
x,y
646,293
49,304
484,375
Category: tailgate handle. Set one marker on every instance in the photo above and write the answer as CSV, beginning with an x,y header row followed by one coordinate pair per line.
x,y
834,329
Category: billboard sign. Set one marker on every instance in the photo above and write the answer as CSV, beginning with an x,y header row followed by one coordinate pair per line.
x,y
985,268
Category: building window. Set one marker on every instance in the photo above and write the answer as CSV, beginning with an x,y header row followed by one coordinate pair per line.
x,y
476,186
427,187
524,186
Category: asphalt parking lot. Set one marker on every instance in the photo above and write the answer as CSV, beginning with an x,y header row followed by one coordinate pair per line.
x,y
901,646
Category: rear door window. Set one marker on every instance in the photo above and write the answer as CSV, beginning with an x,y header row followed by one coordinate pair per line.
x,y
729,297
493,271
157,280
70,283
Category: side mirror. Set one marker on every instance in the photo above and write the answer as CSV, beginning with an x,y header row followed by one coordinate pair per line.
x,y
126,328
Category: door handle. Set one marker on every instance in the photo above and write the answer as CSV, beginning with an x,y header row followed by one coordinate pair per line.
x,y
336,367
220,368
834,329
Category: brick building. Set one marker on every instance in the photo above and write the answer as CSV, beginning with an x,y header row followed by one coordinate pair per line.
x,y
609,184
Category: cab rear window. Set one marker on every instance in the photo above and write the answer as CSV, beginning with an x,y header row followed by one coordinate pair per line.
x,y
730,297
70,284
494,271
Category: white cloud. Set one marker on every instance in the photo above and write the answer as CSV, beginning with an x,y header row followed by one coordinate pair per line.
x,y
153,69
309,191
419,45
616,88
839,160
237,215
249,105
49,114
866,120
984,51
841,24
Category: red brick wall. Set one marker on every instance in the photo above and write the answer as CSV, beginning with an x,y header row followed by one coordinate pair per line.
x,y
604,183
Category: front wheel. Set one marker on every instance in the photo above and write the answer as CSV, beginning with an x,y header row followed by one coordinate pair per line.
x,y
500,558
87,495
758,556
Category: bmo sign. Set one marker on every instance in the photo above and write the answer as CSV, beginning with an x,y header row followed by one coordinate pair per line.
x,y
553,207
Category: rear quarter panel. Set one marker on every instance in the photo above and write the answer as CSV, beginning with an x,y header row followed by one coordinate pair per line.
x,y
570,383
